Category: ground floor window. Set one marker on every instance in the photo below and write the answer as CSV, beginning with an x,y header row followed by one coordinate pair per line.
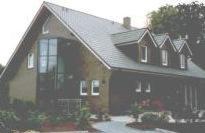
x,y
147,87
143,86
83,88
95,87
138,86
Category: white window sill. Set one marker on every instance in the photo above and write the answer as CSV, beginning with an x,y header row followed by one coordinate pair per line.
x,y
95,94
83,94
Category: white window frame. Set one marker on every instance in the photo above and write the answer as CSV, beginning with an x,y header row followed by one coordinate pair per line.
x,y
143,60
44,31
164,55
148,90
139,87
92,92
81,88
30,60
182,61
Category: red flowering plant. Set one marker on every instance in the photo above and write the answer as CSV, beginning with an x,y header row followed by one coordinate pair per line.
x,y
152,105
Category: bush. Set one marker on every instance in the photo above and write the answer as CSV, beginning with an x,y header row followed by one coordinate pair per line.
x,y
9,119
60,118
136,110
83,119
22,108
36,119
154,118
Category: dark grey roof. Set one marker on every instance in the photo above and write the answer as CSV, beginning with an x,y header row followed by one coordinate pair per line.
x,y
179,43
128,36
160,38
101,35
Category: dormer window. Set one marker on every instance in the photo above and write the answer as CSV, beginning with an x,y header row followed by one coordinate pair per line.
x,y
143,50
182,61
164,57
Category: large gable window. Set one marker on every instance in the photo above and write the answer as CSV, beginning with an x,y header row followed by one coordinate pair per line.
x,y
182,61
30,60
143,50
164,54
95,87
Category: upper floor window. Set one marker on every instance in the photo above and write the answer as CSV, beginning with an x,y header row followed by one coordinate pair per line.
x,y
164,57
83,88
143,50
45,29
95,87
182,61
30,60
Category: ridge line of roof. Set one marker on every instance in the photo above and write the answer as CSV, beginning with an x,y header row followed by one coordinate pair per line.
x,y
84,13
129,31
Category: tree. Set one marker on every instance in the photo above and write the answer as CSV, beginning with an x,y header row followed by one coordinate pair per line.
x,y
186,20
163,20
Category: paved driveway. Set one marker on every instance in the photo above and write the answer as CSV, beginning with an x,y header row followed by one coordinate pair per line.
x,y
118,127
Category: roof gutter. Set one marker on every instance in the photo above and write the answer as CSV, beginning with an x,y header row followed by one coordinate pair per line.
x,y
154,73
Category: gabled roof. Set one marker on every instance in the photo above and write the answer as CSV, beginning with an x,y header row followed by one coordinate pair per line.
x,y
180,43
131,36
162,38
96,34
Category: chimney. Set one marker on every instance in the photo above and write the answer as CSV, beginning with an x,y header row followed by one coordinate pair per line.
x,y
127,22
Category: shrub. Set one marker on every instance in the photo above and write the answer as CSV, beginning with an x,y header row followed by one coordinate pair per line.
x,y
136,110
60,118
83,118
9,119
22,108
154,118
36,119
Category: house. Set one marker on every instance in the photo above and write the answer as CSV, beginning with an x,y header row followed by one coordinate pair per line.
x,y
70,55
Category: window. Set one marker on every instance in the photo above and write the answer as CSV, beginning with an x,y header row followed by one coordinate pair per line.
x,y
182,61
138,86
147,87
164,57
30,60
95,87
44,28
83,88
143,53
51,65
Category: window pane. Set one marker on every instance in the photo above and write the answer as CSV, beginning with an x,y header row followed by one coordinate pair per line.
x,y
43,47
60,65
164,57
43,64
96,83
53,47
52,63
83,88
143,53
138,86
30,60
96,89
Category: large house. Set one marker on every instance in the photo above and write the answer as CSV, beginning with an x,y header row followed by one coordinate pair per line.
x,y
70,55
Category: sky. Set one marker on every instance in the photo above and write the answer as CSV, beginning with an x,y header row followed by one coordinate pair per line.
x,y
16,15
